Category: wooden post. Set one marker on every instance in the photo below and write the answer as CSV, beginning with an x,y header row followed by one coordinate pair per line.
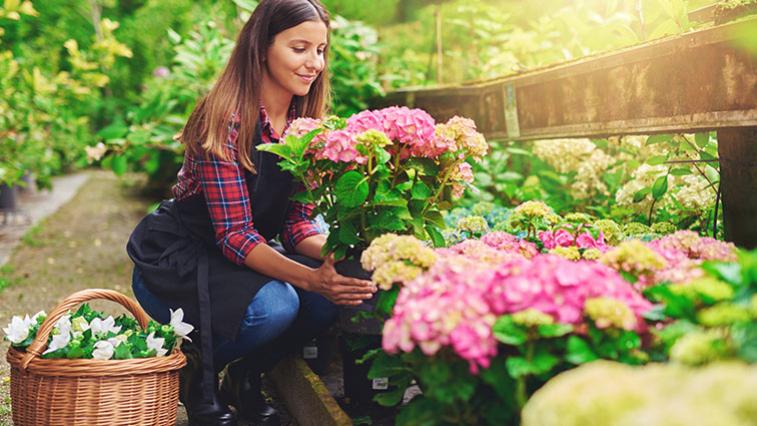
x,y
737,149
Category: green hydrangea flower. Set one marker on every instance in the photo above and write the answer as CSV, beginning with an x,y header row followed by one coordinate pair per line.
x,y
700,347
570,253
475,225
610,313
532,317
706,287
724,314
663,228
611,230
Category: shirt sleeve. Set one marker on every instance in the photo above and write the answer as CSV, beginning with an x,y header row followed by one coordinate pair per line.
x,y
297,225
225,190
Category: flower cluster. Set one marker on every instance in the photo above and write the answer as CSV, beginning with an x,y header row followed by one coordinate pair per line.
x,y
684,251
458,300
635,259
396,259
89,334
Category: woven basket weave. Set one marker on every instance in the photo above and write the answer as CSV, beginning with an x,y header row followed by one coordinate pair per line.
x,y
141,391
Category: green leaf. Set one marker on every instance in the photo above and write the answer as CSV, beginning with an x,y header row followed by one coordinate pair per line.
x,y
578,351
114,131
421,191
660,187
517,151
123,351
436,237
657,160
435,217
348,234
281,149
351,189
390,398
119,165
641,194
386,300
382,156
385,365
680,171
506,331
554,330
543,362
658,139
517,366
704,155
702,139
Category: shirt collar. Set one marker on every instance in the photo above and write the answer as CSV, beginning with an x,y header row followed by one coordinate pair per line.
x,y
265,121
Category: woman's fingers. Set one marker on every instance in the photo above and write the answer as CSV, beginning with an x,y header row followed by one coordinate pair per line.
x,y
354,282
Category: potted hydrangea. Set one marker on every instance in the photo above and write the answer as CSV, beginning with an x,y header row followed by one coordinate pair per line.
x,y
380,171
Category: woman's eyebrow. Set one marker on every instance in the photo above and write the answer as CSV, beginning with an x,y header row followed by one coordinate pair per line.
x,y
302,40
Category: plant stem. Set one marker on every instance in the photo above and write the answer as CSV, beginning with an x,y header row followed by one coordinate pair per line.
x,y
521,396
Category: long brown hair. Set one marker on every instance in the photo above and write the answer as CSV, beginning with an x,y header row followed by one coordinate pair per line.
x,y
237,90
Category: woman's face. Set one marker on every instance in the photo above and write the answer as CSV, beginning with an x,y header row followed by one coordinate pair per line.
x,y
297,56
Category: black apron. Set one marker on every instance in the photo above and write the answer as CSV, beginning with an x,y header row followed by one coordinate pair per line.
x,y
175,249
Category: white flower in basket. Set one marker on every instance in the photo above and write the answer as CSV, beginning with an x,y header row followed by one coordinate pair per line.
x,y
103,350
101,327
157,344
18,329
182,329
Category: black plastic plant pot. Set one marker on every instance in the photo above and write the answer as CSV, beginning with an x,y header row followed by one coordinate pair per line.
x,y
357,386
319,352
358,319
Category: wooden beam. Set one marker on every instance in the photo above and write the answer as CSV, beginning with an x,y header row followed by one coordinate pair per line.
x,y
692,82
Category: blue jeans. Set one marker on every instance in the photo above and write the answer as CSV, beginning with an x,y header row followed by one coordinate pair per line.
x,y
278,319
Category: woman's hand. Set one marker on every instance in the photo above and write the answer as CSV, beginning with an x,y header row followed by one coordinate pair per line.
x,y
337,288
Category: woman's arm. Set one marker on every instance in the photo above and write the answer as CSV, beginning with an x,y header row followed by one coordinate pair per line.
x,y
311,246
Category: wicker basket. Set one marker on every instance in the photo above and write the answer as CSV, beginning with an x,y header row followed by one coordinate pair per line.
x,y
142,391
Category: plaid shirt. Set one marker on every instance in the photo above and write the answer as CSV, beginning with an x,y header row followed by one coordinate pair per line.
x,y
225,189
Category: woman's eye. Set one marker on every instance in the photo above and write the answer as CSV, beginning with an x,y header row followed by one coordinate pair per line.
x,y
299,49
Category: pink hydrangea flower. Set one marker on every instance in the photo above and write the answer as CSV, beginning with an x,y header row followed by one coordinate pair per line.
x,y
340,147
586,241
458,300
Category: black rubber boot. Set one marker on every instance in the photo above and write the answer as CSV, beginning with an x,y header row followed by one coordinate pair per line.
x,y
202,410
240,388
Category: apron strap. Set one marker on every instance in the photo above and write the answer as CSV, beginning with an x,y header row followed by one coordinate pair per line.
x,y
206,333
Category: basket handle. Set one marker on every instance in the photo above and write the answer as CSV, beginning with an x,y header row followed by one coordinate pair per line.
x,y
40,342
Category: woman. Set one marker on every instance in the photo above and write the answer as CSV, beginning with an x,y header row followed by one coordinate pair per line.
x,y
207,250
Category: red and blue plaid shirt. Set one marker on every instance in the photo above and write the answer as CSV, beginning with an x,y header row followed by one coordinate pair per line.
x,y
223,184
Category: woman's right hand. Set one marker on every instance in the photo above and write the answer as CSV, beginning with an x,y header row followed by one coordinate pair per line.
x,y
339,289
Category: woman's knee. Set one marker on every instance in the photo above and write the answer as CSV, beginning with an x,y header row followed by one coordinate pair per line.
x,y
317,311
274,307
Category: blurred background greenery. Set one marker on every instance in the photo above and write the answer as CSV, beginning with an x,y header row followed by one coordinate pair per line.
x,y
109,82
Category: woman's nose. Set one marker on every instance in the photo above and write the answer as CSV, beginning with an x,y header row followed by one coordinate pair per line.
x,y
315,62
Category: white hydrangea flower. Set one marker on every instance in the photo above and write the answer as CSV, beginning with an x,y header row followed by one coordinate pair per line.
x,y
18,329
100,327
157,344
182,329
117,340
60,341
103,350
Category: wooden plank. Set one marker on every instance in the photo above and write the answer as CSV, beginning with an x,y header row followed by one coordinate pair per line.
x,y
691,82
704,13
305,395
